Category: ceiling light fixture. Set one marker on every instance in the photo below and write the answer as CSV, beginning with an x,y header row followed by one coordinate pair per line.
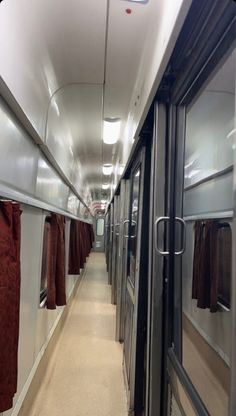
x,y
105,185
103,201
121,169
111,130
107,169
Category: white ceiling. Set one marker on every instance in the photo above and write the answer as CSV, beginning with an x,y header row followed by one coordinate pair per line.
x,y
77,61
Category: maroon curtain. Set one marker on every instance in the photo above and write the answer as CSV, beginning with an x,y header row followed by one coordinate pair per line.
x,y
46,254
75,250
92,235
86,239
10,230
205,265
81,241
56,291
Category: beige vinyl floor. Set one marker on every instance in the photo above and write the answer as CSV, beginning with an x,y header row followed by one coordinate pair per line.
x,y
85,375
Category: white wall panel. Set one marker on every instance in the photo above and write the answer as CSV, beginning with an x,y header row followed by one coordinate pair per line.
x,y
18,154
163,30
28,77
31,243
58,138
73,204
31,246
73,134
45,320
49,187
42,47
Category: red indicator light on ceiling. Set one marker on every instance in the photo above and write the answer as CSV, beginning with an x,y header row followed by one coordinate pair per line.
x,y
128,11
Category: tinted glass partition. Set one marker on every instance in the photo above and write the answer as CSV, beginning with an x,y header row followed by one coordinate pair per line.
x,y
208,212
100,227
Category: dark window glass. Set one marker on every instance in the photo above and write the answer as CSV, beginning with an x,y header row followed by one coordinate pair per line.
x,y
133,226
100,227
225,252
45,259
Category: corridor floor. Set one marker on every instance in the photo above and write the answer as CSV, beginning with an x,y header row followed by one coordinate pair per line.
x,y
85,374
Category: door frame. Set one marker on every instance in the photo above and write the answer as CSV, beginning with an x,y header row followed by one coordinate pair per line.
x,y
138,344
182,95
205,39
156,272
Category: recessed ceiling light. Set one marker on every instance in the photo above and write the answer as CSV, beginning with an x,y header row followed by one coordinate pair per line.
x,y
111,130
121,169
105,185
107,169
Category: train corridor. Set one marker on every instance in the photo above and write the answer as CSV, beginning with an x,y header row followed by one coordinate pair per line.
x,y
84,376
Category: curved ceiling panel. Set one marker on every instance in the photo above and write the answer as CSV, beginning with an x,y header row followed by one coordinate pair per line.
x,y
47,44
73,135
69,64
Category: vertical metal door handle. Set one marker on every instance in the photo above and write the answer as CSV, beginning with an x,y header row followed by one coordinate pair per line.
x,y
156,235
117,225
135,223
126,222
183,223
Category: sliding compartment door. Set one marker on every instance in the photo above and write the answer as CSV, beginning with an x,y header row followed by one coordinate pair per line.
x,y
111,236
158,217
115,249
136,283
122,259
201,331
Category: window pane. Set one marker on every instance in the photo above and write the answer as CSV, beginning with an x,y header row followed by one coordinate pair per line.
x,y
133,225
206,265
45,259
224,258
100,227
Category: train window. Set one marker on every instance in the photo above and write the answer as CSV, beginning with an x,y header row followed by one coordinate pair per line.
x,y
224,263
212,264
210,128
100,227
45,261
206,263
135,193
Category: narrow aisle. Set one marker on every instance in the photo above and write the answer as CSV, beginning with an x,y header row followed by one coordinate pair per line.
x,y
85,373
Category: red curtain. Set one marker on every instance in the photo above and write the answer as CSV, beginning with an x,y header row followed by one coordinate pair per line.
x,y
56,290
10,235
91,235
205,265
81,241
75,248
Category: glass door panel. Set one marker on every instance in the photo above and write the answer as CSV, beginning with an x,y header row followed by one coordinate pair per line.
x,y
133,225
131,266
136,282
206,264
